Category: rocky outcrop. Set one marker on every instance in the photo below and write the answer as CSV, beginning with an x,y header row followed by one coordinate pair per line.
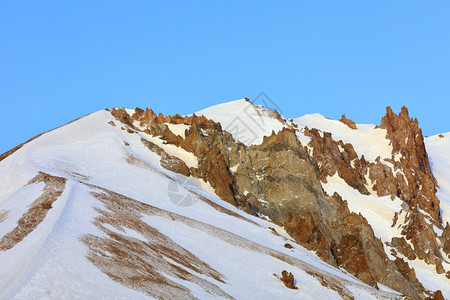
x,y
423,238
445,240
281,180
167,161
288,279
419,189
348,122
407,175
336,157
408,273
436,296
206,140
402,246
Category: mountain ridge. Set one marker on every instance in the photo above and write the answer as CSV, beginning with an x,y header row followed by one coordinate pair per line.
x,y
248,175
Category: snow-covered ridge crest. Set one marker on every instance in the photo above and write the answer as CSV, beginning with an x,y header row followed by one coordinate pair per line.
x,y
366,139
247,122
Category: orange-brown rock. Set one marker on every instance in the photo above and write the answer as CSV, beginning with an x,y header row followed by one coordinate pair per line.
x,y
403,247
121,115
349,254
336,157
408,273
423,237
288,279
167,161
287,245
436,296
407,140
348,122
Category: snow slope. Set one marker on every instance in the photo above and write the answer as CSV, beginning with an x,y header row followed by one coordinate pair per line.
x,y
366,140
247,123
116,194
438,149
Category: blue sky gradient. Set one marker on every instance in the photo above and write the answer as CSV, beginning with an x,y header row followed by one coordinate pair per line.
x,y
60,60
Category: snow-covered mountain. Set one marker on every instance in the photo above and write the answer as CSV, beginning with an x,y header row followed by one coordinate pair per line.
x,y
129,204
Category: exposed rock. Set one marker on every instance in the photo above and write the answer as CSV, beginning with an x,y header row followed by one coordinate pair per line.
x,y
408,273
436,296
167,161
174,164
407,175
445,240
121,115
348,122
441,135
287,245
403,247
423,237
349,254
407,140
333,157
288,279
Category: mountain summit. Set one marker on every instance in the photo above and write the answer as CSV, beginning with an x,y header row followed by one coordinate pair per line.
x,y
234,201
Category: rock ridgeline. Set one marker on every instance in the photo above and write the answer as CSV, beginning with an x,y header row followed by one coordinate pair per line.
x,y
418,185
407,175
281,180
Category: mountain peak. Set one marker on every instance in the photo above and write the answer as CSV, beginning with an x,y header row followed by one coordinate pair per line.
x,y
133,201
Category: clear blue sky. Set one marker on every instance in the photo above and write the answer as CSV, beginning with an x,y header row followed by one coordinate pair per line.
x,y
63,59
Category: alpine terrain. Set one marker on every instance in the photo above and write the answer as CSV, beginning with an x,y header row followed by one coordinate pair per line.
x,y
234,202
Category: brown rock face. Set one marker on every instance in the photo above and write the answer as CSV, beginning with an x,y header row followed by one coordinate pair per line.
x,y
288,279
337,157
167,161
407,140
349,254
408,273
436,296
403,247
206,140
282,182
445,240
422,236
348,122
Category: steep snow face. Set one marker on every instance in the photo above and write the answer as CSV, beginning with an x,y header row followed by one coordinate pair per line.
x,y
366,140
247,123
438,148
116,198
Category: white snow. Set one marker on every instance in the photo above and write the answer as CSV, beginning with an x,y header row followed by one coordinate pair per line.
x,y
438,150
366,140
246,122
178,129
